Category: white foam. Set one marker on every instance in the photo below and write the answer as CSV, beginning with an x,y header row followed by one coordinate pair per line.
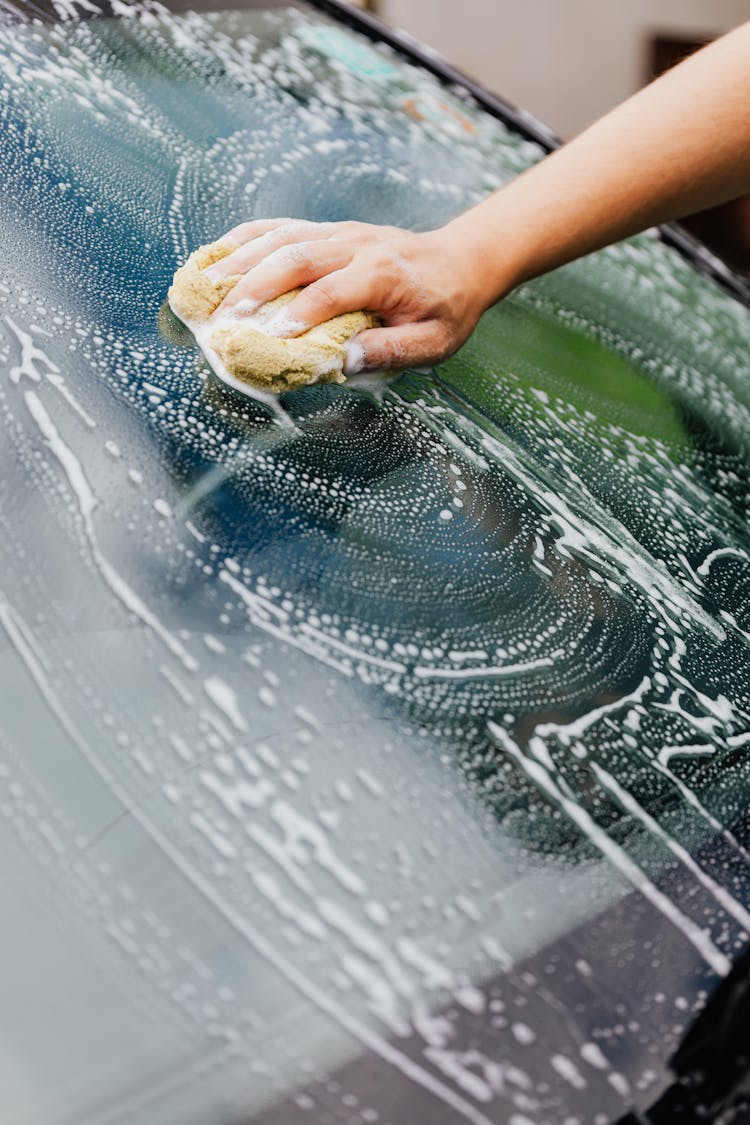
x,y
282,324
87,503
354,357
203,330
612,851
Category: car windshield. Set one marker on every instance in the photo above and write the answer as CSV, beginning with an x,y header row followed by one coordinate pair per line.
x,y
381,760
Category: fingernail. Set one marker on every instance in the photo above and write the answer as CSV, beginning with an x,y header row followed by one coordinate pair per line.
x,y
354,358
212,274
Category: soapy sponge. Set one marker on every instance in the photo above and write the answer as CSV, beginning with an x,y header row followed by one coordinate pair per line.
x,y
241,347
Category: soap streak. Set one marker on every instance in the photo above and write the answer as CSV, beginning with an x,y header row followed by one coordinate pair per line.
x,y
86,505
265,949
619,859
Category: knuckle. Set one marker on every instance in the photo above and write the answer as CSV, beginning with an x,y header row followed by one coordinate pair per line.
x,y
377,258
397,352
288,230
382,256
295,255
243,286
324,293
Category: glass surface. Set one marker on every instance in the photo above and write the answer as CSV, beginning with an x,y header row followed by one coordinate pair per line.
x,y
384,766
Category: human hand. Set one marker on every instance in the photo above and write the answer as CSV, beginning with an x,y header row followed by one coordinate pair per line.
x,y
423,287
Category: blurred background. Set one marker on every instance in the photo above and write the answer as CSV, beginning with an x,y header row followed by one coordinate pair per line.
x,y
569,61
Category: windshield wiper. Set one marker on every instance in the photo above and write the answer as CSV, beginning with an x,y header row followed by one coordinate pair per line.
x,y
712,1063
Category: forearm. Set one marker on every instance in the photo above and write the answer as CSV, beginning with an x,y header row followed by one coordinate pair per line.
x,y
678,146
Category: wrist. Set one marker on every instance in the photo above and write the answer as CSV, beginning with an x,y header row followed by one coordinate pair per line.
x,y
486,259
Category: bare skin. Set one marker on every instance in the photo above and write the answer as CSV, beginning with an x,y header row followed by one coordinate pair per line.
x,y
679,146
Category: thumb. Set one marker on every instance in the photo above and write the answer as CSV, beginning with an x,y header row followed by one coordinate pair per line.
x,y
406,345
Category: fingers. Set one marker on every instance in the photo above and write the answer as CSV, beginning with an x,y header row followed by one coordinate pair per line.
x,y
407,345
341,291
285,269
247,231
349,228
260,245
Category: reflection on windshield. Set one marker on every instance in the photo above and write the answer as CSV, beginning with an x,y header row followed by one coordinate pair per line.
x,y
387,767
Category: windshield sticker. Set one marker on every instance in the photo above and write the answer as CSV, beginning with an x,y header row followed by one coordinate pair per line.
x,y
429,108
352,53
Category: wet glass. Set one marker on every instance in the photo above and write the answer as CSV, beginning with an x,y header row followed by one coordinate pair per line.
x,y
384,766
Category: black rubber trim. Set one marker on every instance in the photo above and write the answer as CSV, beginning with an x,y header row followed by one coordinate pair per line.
x,y
712,1063
431,60
699,256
